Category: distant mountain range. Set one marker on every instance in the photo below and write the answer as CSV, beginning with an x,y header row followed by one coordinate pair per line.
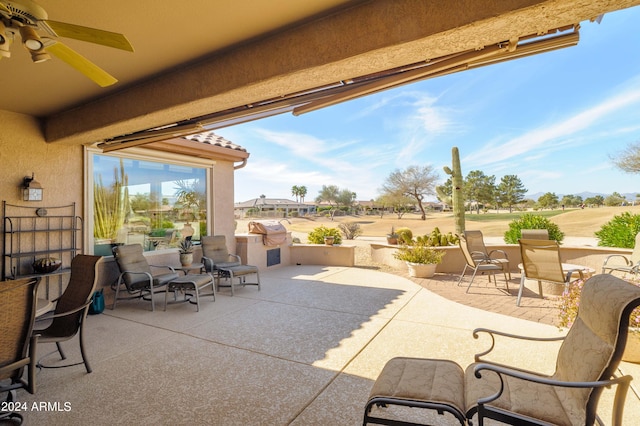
x,y
631,196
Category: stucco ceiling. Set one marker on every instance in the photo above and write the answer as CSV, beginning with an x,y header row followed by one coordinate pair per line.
x,y
203,56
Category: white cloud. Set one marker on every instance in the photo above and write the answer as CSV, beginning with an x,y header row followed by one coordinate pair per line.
x,y
547,137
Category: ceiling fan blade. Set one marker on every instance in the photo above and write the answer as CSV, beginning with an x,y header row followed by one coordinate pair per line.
x,y
80,63
91,35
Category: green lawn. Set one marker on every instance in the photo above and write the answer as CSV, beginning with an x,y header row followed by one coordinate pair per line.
x,y
489,217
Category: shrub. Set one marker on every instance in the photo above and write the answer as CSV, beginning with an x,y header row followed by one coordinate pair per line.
x,y
620,231
419,253
350,230
317,235
532,221
405,236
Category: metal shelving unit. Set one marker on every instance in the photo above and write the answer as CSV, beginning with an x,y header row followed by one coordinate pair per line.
x,y
32,233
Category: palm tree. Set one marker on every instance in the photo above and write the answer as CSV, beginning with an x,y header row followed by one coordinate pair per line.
x,y
302,191
295,190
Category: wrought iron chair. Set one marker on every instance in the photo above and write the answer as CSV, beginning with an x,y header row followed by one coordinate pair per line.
x,y
478,261
513,395
17,345
622,263
71,309
136,276
541,262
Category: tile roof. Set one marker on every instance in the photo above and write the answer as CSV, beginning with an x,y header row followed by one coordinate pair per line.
x,y
211,138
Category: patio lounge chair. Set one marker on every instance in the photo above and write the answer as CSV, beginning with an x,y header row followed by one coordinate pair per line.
x,y
514,395
475,243
622,263
135,274
71,308
541,261
480,261
17,312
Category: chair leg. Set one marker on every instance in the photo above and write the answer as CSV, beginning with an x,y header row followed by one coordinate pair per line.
x,y
115,300
522,279
471,282
462,275
540,289
82,351
62,355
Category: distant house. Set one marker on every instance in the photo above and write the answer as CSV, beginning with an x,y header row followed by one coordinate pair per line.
x,y
272,207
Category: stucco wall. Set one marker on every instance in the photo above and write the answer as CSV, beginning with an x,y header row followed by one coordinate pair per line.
x,y
57,167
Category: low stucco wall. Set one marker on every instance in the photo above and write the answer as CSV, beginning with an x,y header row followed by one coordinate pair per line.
x,y
318,254
454,262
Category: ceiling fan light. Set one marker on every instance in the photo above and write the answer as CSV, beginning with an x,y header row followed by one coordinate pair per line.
x,y
30,38
39,56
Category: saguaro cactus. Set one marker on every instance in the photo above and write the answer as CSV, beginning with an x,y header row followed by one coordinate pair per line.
x,y
456,193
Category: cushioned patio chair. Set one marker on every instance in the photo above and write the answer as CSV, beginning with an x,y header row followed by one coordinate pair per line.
x,y
221,264
586,363
622,263
215,254
136,275
17,345
535,234
71,309
479,261
541,262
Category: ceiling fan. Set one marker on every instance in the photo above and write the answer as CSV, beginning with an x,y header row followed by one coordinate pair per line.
x,y
40,37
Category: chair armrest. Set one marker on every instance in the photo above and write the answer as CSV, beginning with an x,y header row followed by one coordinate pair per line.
x,y
171,268
62,314
622,383
237,257
208,263
493,333
627,262
502,252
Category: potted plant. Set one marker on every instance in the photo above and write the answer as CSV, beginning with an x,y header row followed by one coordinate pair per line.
x,y
392,237
186,252
421,259
569,303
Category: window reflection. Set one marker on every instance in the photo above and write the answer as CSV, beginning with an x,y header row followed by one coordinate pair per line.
x,y
152,203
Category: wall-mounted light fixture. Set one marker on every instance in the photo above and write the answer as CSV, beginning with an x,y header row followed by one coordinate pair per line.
x,y
31,189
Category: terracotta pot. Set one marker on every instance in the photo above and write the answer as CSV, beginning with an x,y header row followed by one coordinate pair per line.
x,y
422,270
329,240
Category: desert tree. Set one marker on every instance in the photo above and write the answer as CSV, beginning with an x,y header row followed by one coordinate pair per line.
x,y
415,182
510,191
628,160
335,197
480,188
571,200
596,200
399,203
614,199
548,200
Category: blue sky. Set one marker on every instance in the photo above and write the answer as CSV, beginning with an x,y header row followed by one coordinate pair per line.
x,y
553,119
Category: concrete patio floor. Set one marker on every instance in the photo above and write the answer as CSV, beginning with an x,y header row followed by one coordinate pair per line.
x,y
304,350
